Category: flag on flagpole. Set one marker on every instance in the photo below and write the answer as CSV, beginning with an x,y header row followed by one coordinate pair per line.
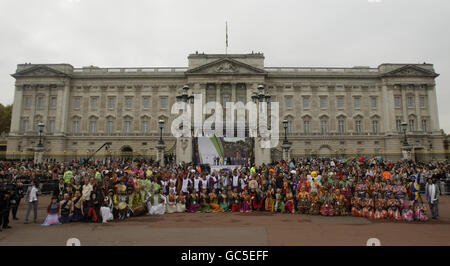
x,y
226,35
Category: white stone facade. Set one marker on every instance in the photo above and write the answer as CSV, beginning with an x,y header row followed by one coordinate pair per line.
x,y
331,111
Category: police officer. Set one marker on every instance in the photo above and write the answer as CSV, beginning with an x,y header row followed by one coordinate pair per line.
x,y
5,207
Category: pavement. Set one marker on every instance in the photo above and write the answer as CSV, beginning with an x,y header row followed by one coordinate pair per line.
x,y
232,229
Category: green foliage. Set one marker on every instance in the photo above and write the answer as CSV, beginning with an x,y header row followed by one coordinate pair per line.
x,y
5,117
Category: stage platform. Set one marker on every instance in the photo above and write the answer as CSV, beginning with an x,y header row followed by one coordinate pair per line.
x,y
220,167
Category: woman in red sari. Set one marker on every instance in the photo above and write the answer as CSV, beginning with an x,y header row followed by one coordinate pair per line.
x,y
236,206
289,204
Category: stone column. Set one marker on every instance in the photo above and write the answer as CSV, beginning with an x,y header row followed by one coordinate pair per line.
x,y
286,146
38,154
17,110
184,150
432,107
407,152
387,108
262,155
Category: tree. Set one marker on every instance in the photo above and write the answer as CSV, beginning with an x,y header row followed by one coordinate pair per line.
x,y
5,117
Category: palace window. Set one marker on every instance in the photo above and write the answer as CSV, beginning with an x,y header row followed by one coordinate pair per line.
x,y
397,101
75,126
92,126
77,103
145,127
111,102
357,102
422,101
341,126
424,125
373,102
127,126
306,124
375,126
323,102
128,102
163,102
146,102
324,126
41,102
52,126
410,100
110,128
94,102
305,102
412,126
53,102
27,102
340,102
26,125
288,101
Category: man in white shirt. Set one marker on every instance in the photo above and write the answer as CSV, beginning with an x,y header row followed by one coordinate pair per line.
x,y
31,197
432,191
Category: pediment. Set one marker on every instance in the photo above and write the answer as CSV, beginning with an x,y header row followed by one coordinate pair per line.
x,y
226,66
39,71
410,71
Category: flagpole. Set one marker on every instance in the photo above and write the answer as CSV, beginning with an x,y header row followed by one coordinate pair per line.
x,y
226,38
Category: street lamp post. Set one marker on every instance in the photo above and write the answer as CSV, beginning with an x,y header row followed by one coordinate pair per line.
x,y
404,128
161,126
39,150
285,125
286,144
160,147
406,149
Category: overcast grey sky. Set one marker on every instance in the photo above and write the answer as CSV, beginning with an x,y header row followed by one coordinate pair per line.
x,y
128,33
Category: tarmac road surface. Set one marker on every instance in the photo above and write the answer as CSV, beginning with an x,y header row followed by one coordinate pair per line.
x,y
230,229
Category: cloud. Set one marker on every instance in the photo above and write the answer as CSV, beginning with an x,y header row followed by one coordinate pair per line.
x,y
333,33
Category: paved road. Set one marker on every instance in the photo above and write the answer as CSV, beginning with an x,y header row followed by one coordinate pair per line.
x,y
233,229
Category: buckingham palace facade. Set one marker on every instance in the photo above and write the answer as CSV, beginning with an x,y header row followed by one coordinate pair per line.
x,y
338,112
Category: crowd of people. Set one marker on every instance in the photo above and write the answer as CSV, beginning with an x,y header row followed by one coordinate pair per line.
x,y
103,191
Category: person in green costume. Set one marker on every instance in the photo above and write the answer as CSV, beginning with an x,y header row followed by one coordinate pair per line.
x,y
204,204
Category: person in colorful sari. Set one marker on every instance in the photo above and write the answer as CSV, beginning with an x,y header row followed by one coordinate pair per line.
x,y
315,204
268,202
339,203
223,200
420,212
326,208
158,203
245,200
356,206
380,208
181,203
66,210
303,201
171,202
407,211
52,213
194,202
279,201
204,204
214,201
236,205
78,212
